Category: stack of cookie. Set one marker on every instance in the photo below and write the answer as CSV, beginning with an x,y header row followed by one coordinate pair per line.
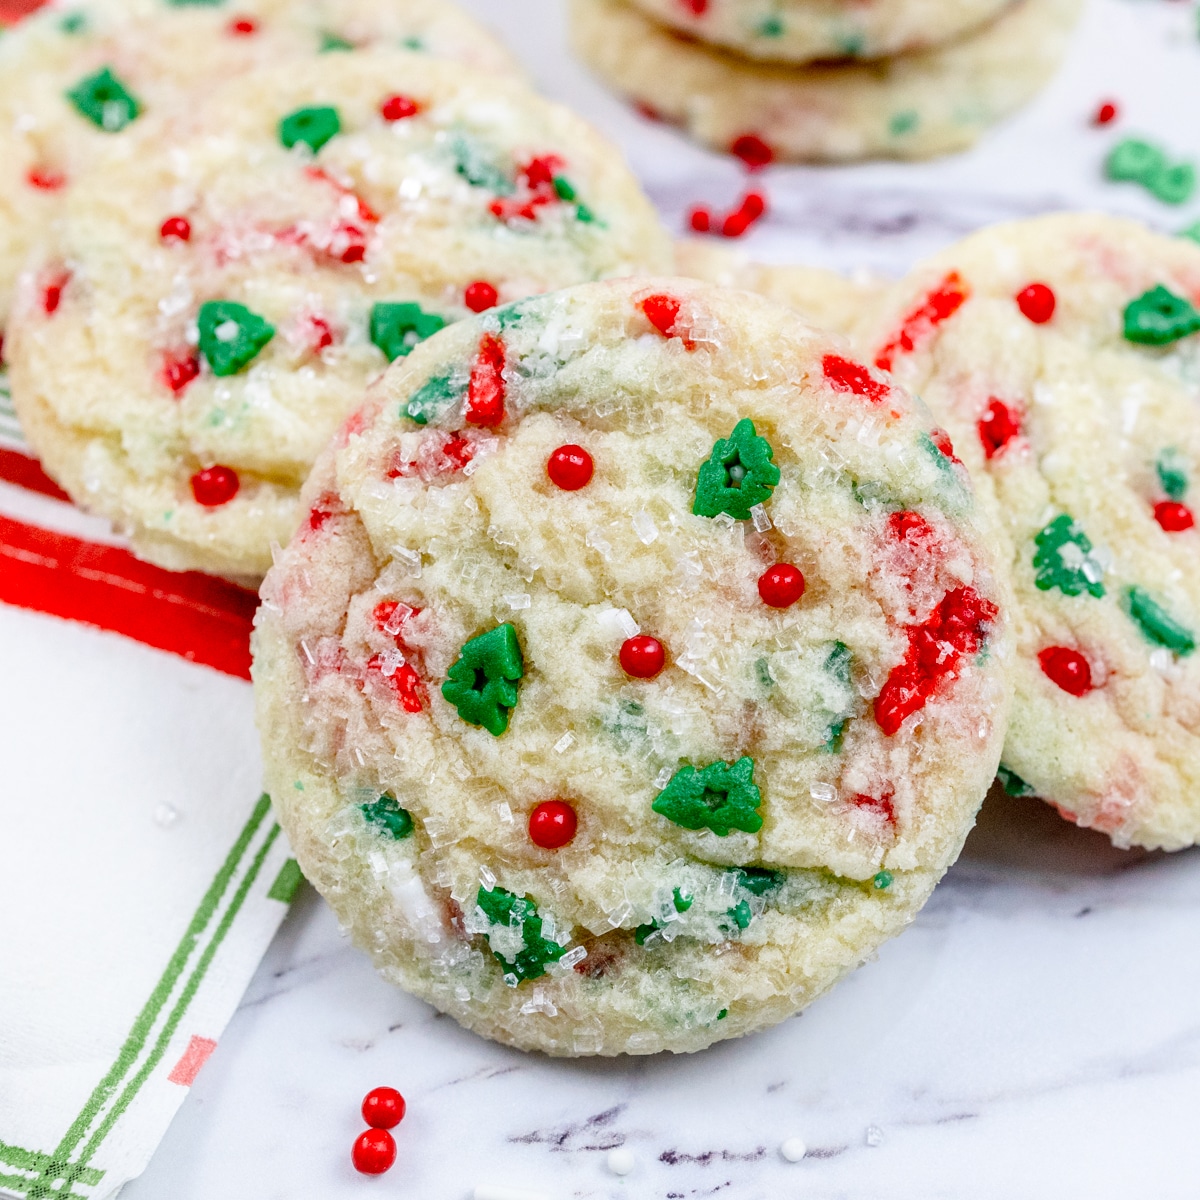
x,y
826,80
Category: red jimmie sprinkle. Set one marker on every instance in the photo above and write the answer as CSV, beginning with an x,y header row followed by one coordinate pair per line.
x,y
781,586
1173,516
485,393
176,229
404,681
215,486
753,151
321,334
45,179
243,26
570,468
480,296
846,376
552,824
1106,114
52,293
941,303
997,427
383,1108
882,805
642,657
374,1152
955,628
941,439
1067,668
179,371
696,7
1037,302
399,108
662,311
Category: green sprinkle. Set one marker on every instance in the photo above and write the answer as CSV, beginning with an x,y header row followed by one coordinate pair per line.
x,y
762,669
387,815
758,881
721,797
1136,161
477,169
298,786
722,1014
741,914
482,684
1012,783
770,27
503,908
397,328
882,881
1174,184
431,397
682,902
413,43
1160,317
103,99
75,22
903,122
1172,473
231,335
1157,624
312,127
642,932
1192,232
333,42
563,188
1062,560
738,475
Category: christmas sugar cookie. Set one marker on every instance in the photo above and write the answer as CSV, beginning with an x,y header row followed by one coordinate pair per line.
x,y
804,30
1063,356
638,670
912,106
823,298
226,282
79,75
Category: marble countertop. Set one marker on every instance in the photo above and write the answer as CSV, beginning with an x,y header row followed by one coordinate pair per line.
x,y
1036,1033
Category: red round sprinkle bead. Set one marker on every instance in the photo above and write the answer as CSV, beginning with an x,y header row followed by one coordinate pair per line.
x,y
397,108
1037,302
374,1152
1173,516
700,219
176,229
480,296
1105,114
1067,668
552,824
781,586
753,151
570,468
215,486
383,1108
642,657
243,26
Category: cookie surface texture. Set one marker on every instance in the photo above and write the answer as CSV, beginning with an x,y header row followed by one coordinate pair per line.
x,y
800,31
226,282
670,775
912,106
1062,355
79,75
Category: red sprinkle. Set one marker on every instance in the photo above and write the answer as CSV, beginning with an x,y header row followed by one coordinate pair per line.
x,y
943,302
878,804
1105,114
177,373
753,151
1037,303
955,628
735,225
552,824
52,293
374,1152
243,26
846,376
539,172
700,219
1067,668
215,486
642,657
176,229
485,393
941,439
1173,516
383,1108
480,296
45,179
781,586
404,681
570,468
662,312
322,334
997,427
910,527
696,7
399,108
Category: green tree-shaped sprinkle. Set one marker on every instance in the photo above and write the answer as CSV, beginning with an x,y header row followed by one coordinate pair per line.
x,y
738,474
504,909
1159,318
1157,624
397,328
721,797
231,336
387,815
105,101
1172,473
1062,559
311,126
482,685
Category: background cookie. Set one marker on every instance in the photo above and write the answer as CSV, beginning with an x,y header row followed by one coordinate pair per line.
x,y
912,106
226,282
804,30
78,75
1061,354
642,654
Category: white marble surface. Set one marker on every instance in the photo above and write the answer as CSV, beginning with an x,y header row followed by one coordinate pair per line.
x,y
1036,1034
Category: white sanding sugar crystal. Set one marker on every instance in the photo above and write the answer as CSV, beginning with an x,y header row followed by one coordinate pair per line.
x,y
793,1149
165,816
758,514
518,602
873,1136
645,528
539,1002
572,957
564,743
825,793
620,1161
